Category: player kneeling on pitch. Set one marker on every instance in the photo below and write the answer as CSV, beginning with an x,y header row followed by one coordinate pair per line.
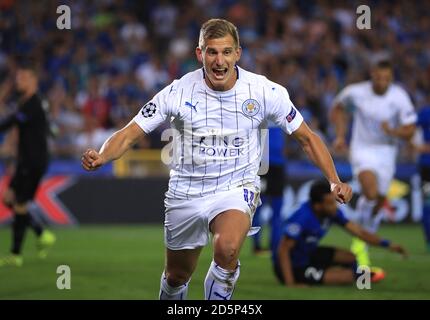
x,y
300,260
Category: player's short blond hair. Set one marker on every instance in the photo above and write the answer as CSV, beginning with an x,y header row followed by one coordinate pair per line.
x,y
217,28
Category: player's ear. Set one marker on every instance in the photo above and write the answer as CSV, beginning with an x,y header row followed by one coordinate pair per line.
x,y
199,54
238,53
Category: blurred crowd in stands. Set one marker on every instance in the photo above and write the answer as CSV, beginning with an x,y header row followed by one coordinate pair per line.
x,y
118,54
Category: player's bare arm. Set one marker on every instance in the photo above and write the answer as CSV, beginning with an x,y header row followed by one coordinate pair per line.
x,y
339,118
113,148
374,239
420,148
404,132
320,156
285,246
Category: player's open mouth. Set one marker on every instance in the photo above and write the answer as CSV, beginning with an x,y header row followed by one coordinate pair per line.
x,y
219,72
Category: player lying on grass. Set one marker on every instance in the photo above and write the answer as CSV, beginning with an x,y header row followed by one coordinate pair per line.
x,y
299,259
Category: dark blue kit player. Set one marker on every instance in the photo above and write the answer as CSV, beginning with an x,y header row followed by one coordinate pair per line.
x,y
300,260
424,169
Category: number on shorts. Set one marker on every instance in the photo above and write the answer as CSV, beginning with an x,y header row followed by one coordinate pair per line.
x,y
312,272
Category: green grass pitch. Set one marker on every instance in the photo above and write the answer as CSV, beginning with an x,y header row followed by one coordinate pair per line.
x,y
125,262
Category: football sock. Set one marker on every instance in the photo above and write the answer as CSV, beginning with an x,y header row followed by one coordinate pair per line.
x,y
220,283
360,250
365,208
19,227
167,292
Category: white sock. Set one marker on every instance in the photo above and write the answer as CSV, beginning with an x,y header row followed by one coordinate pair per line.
x,y
220,283
167,292
366,219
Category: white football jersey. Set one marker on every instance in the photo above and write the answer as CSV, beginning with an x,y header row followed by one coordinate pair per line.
x,y
370,110
217,135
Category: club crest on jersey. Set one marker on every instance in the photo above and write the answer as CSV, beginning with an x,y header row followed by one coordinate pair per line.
x,y
292,114
149,110
250,107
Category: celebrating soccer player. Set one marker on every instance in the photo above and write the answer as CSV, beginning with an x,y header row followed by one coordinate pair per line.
x,y
217,112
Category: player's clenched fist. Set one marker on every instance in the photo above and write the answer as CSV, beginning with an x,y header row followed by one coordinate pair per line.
x,y
342,191
91,160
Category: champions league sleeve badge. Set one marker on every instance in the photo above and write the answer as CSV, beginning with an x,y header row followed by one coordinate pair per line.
x,y
292,114
250,107
149,110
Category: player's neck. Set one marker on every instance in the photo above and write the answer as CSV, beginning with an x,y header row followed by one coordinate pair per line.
x,y
380,92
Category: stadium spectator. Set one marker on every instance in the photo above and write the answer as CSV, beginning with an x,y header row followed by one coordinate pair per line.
x,y
312,48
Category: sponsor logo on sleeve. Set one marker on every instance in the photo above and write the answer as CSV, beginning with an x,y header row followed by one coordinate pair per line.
x,y
292,114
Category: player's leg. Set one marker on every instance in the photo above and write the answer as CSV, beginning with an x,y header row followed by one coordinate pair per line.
x,y
318,275
19,227
347,260
329,265
180,265
229,230
45,238
24,185
369,202
344,257
14,200
425,181
186,232
338,276
9,200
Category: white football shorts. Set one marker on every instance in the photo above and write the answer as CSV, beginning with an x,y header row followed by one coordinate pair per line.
x,y
186,223
381,160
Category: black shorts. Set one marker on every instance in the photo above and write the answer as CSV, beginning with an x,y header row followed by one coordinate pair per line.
x,y
272,183
320,260
25,182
